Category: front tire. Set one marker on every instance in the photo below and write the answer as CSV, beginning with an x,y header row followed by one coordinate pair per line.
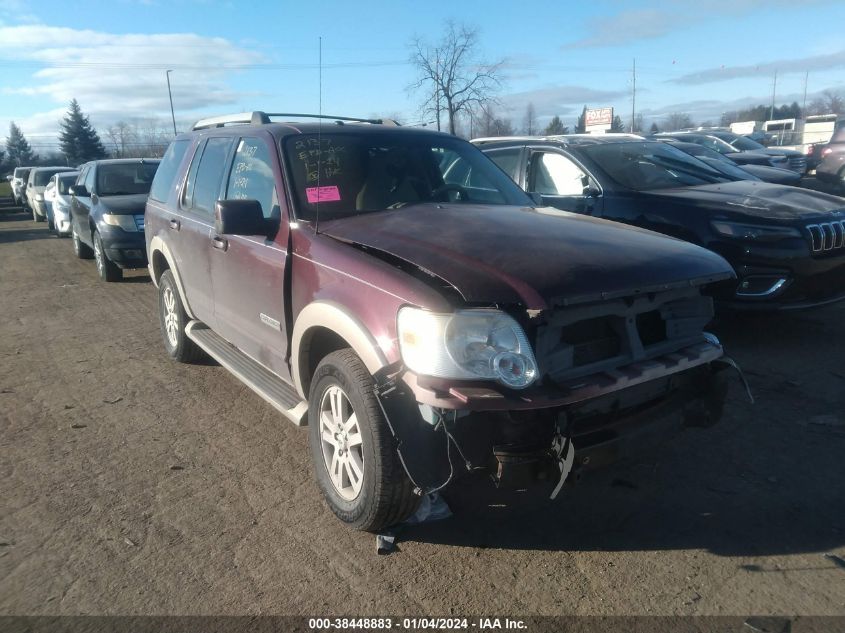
x,y
106,268
83,251
352,450
173,319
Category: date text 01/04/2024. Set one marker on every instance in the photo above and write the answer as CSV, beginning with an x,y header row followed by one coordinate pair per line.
x,y
420,624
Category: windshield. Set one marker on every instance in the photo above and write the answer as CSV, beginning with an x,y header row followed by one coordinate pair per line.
x,y
727,168
644,166
41,177
123,179
366,172
746,144
65,182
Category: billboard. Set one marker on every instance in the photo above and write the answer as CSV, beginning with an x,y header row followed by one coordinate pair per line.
x,y
598,119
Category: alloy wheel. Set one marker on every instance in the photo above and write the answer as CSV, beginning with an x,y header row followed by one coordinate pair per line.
x,y
342,443
171,317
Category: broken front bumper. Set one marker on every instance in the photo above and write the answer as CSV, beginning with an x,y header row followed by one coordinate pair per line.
x,y
513,438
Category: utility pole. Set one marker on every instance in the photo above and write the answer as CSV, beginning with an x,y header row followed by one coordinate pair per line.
x,y
634,95
774,90
170,94
804,107
437,89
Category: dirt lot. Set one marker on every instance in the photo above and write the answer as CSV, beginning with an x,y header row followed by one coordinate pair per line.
x,y
134,485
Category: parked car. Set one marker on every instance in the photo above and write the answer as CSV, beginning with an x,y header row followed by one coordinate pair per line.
x,y
58,199
787,245
741,158
410,320
831,167
744,150
35,185
18,182
107,213
730,169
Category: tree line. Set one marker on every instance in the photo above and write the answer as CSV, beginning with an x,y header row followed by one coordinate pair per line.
x,y
80,142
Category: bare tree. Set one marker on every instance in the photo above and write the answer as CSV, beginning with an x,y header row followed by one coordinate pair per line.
x,y
677,121
491,125
451,76
530,121
123,137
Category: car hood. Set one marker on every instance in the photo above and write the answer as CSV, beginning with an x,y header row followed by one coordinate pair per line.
x,y
124,205
777,151
751,156
748,199
532,257
773,174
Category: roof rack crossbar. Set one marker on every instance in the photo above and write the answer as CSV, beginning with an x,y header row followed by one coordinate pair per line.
x,y
262,118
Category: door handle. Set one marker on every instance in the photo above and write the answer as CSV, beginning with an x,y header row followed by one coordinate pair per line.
x,y
175,224
220,243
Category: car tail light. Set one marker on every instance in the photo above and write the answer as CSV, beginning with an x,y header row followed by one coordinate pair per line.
x,y
826,151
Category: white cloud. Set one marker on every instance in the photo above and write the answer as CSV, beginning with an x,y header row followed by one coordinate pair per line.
x,y
827,61
121,76
560,100
664,16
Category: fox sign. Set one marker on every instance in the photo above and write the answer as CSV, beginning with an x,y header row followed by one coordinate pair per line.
x,y
598,116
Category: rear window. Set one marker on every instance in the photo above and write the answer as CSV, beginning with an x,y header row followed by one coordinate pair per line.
x,y
42,177
123,179
64,182
167,170
23,174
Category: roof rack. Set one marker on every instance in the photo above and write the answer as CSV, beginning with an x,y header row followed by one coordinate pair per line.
x,y
263,118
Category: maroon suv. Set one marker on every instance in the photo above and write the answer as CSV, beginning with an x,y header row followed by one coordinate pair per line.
x,y
422,322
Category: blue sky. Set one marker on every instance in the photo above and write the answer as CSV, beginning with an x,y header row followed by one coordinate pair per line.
x,y
702,58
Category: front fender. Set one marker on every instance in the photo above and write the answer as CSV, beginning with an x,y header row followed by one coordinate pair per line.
x,y
331,316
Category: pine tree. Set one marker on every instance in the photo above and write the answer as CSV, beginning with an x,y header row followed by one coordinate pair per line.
x,y
78,138
581,124
617,125
654,128
18,148
555,127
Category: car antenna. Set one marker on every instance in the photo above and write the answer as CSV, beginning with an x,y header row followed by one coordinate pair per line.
x,y
319,127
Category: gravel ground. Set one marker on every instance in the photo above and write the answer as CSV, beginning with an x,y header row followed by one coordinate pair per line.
x,y
135,485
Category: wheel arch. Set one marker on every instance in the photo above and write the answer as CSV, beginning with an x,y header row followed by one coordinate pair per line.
x,y
161,259
321,328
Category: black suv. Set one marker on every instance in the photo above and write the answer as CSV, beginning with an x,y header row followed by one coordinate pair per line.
x,y
787,245
107,213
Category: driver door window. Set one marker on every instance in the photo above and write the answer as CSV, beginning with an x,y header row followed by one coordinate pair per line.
x,y
556,175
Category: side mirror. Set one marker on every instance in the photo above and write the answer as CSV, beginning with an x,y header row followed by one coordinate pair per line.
x,y
241,217
591,192
537,198
79,191
9,178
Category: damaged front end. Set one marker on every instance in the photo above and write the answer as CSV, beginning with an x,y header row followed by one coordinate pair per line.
x,y
615,378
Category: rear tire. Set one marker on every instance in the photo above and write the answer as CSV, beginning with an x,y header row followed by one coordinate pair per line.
x,y
106,268
83,251
173,319
349,437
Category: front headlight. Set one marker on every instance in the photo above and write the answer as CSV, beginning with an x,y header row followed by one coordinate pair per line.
x,y
466,345
126,222
753,231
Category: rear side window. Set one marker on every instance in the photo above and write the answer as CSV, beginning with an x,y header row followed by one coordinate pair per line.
x,y
89,179
251,176
506,159
167,169
209,175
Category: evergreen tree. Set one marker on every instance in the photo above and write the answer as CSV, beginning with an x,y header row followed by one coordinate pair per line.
x,y
581,124
616,125
78,138
18,148
555,127
654,129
